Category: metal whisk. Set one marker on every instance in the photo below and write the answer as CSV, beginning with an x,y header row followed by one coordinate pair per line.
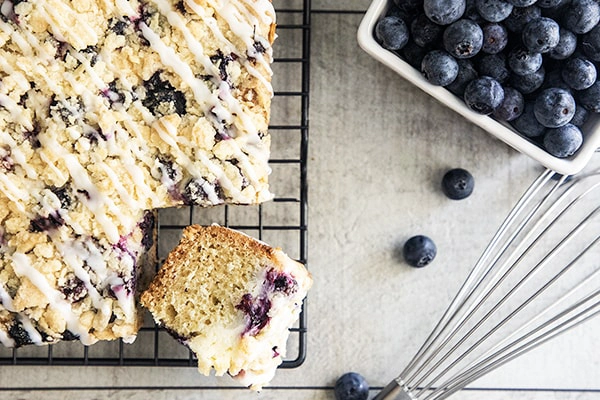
x,y
538,277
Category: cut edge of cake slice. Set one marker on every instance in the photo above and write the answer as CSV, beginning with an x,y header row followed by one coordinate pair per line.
x,y
231,299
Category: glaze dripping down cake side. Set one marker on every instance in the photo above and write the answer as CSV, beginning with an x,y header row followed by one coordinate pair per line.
x,y
109,109
231,299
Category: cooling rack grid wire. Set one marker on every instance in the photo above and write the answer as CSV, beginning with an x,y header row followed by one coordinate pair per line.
x,y
281,222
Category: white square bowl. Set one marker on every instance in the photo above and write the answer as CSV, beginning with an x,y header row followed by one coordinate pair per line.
x,y
503,131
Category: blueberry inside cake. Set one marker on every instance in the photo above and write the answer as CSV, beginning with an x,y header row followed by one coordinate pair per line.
x,y
231,299
109,109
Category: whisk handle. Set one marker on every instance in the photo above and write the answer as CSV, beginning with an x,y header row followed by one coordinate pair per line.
x,y
394,391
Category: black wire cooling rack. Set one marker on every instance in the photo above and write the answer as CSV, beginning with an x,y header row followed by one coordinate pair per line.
x,y
281,222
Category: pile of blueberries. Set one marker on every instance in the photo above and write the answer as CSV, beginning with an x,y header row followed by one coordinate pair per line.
x,y
530,63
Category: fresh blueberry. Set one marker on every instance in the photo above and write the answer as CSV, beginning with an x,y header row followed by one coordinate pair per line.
x,y
409,7
472,13
439,68
463,38
162,98
444,12
523,62
579,73
392,32
590,98
529,83
590,43
458,184
554,107
413,54
522,3
351,386
494,66
549,3
419,251
511,107
540,35
484,95
567,43
581,16
554,79
563,141
495,38
520,16
424,32
493,10
580,117
466,73
527,123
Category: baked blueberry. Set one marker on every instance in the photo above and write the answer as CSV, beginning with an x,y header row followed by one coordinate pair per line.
x,y
466,73
579,73
527,123
528,83
444,12
484,95
162,98
419,251
392,32
62,193
540,35
590,98
554,107
494,66
523,61
256,312
45,224
463,38
351,386
563,141
458,184
581,16
439,67
74,290
567,43
147,227
520,16
495,38
19,335
493,10
511,107
424,32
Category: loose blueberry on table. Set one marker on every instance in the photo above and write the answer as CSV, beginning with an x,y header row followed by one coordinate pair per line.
x,y
419,251
458,184
532,63
351,386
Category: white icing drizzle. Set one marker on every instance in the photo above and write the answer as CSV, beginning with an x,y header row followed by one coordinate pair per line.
x,y
5,340
15,111
168,133
54,18
15,194
202,94
23,268
6,299
225,43
33,333
17,154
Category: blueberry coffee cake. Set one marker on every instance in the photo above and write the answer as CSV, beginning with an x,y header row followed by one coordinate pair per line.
x,y
109,109
231,299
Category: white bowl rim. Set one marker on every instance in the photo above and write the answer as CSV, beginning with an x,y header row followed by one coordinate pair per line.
x,y
565,166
